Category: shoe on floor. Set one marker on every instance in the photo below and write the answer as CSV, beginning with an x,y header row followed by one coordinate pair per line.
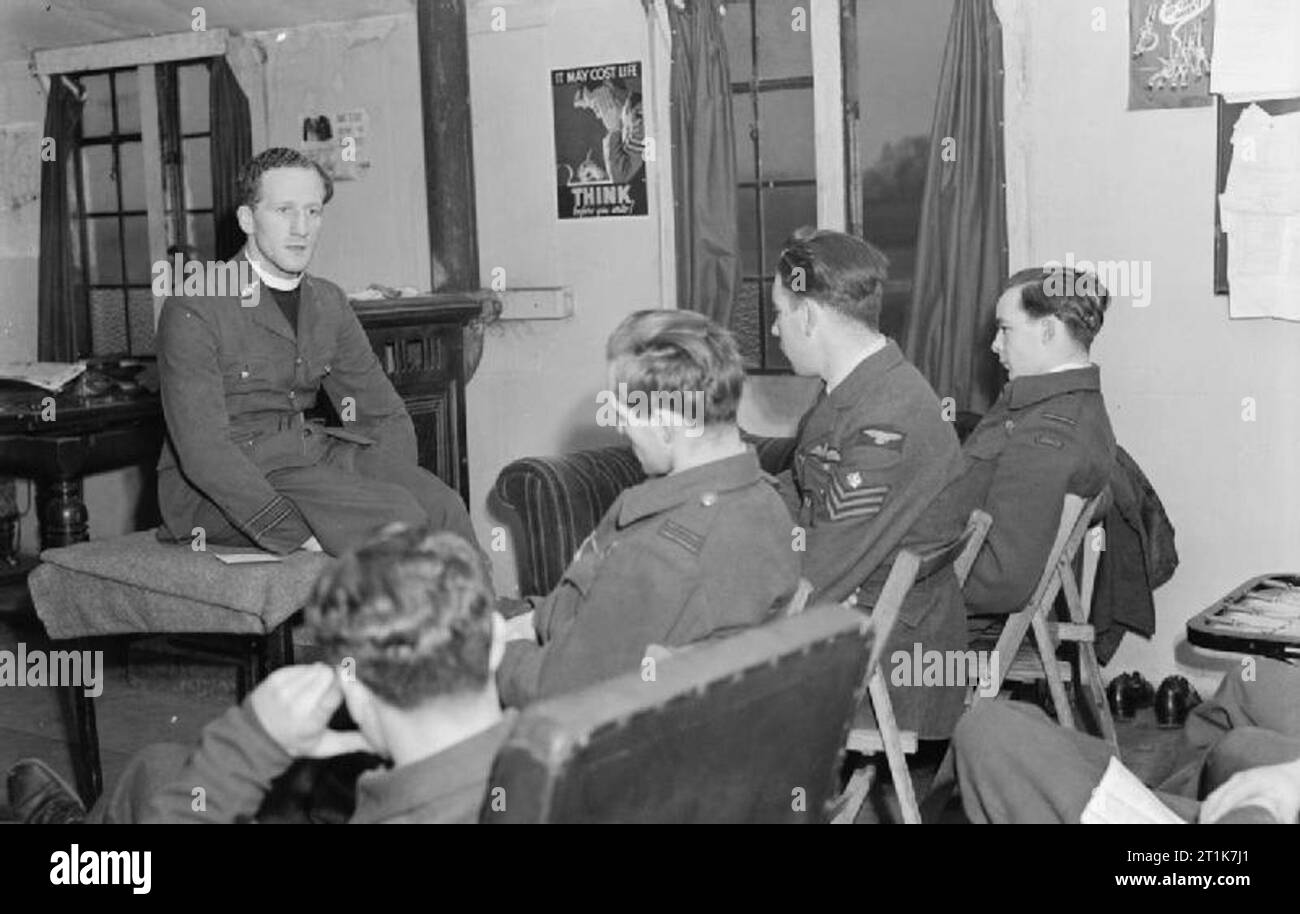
x,y
39,796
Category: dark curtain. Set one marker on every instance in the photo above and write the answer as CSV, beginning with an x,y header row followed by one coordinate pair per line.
x,y
704,162
232,147
62,320
961,257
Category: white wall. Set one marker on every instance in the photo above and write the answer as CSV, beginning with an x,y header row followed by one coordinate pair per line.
x,y
1106,183
535,391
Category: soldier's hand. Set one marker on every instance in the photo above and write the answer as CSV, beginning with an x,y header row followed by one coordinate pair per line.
x,y
294,705
1274,787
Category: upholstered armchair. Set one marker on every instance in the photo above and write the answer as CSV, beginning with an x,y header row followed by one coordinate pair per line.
x,y
557,501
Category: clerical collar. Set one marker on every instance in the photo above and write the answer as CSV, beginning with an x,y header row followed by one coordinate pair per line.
x,y
871,350
271,282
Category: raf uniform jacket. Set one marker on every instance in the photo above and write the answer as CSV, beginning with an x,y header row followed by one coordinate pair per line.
x,y
235,382
1047,435
676,559
236,762
873,454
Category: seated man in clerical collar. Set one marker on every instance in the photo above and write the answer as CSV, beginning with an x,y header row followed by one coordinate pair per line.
x,y
240,371
1047,435
701,549
408,626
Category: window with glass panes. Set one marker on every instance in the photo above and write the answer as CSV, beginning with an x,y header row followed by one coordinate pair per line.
x,y
114,217
772,102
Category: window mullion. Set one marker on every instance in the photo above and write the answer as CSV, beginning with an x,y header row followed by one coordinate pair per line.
x,y
151,144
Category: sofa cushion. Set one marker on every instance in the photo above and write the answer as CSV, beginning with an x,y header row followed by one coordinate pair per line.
x,y
135,584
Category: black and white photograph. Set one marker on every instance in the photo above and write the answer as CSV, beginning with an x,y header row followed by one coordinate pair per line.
x,y
629,412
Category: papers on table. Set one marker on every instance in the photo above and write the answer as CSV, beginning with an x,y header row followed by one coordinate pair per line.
x,y
1260,213
1256,49
247,558
1121,799
48,375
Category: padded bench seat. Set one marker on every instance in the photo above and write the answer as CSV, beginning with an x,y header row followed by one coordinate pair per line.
x,y
134,584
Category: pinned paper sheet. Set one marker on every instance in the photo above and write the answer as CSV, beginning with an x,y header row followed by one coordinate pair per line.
x,y
1121,799
1260,213
1256,49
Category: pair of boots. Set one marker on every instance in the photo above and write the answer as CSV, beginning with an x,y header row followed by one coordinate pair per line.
x,y
1173,700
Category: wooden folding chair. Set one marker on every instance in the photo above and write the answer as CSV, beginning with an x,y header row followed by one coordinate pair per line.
x,y
908,569
1037,614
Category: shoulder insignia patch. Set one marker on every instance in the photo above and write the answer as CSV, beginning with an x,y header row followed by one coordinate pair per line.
x,y
1064,420
683,536
884,437
1050,441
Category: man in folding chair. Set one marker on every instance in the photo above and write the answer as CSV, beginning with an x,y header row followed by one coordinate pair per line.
x,y
873,453
1048,434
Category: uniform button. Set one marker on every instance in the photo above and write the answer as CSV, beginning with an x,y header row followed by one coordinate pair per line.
x,y
1009,424
708,498
297,361
291,395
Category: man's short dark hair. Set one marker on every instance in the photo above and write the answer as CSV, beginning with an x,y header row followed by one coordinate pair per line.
x,y
412,610
840,271
669,351
1076,297
250,176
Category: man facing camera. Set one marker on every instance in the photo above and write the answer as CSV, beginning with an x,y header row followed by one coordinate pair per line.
x,y
241,366
407,625
873,453
700,550
1047,435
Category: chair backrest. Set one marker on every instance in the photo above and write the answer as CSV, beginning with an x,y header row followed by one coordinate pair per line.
x,y
910,567
978,526
1076,517
721,732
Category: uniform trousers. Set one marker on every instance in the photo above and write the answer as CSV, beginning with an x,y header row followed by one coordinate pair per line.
x,y
352,492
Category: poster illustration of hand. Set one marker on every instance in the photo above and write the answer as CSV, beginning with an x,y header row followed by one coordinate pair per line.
x,y
1170,44
600,143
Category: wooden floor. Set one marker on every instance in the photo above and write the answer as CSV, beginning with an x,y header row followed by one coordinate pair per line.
x,y
148,706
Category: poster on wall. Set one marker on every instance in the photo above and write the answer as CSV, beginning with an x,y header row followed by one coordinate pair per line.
x,y
1170,45
600,143
338,143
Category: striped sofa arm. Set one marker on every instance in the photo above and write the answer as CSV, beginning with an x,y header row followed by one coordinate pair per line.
x,y
557,502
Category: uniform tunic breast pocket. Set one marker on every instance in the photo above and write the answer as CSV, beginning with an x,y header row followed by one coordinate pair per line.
x,y
242,375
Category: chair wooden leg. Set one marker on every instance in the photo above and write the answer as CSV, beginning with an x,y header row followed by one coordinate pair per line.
x,y
1052,670
1089,668
86,768
1097,696
888,726
854,795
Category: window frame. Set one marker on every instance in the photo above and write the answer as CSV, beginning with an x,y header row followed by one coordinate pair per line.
x,y
835,171
165,169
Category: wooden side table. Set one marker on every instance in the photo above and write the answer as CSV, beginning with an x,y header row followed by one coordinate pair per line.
x,y
83,435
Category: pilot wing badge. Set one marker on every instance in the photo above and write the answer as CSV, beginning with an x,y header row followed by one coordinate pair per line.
x,y
883,437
